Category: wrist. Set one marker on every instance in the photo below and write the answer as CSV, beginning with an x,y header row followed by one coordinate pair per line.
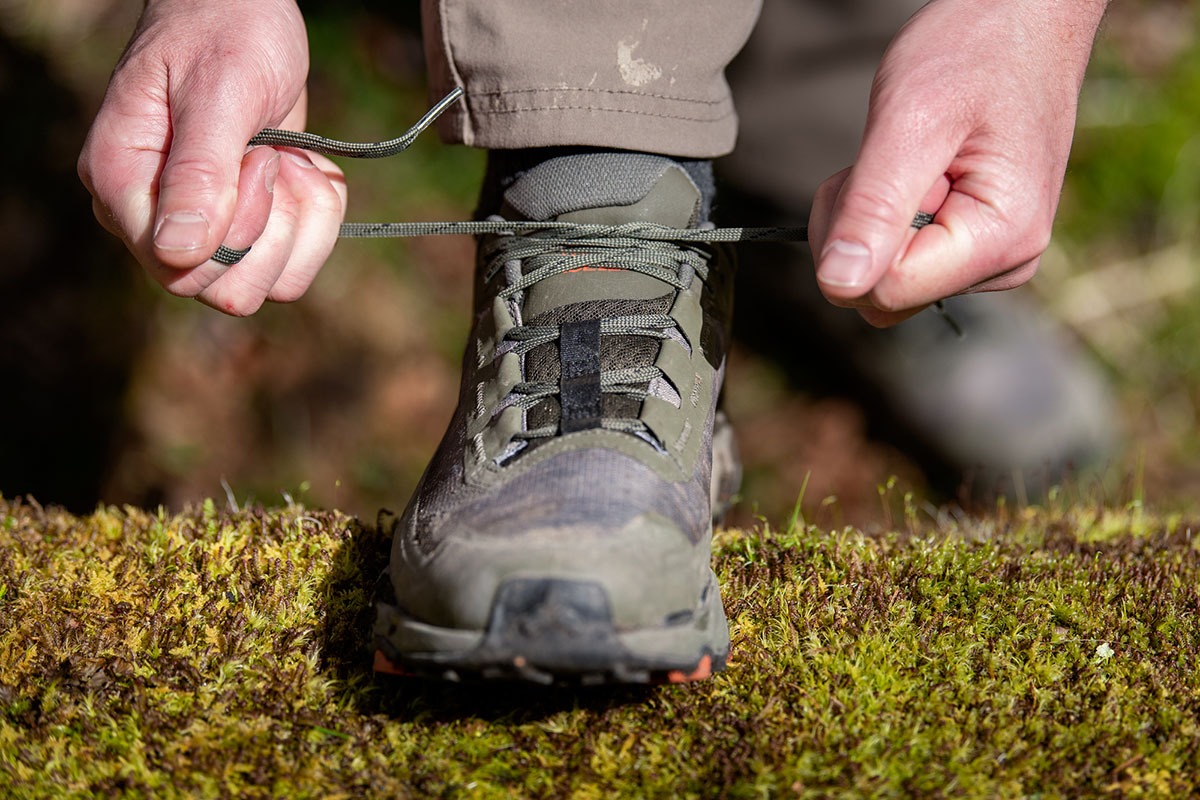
x,y
1047,41
227,16
1068,24
236,4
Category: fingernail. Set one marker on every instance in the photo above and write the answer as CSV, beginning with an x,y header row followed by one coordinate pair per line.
x,y
301,160
845,264
181,230
272,172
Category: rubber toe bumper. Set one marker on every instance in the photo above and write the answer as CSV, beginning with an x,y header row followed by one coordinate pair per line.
x,y
550,630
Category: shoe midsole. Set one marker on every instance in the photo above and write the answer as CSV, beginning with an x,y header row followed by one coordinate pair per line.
x,y
671,645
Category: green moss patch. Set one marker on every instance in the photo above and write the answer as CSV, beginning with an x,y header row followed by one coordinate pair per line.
x,y
1046,652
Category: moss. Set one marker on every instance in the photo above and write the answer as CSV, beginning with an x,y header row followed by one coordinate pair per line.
x,y
1043,652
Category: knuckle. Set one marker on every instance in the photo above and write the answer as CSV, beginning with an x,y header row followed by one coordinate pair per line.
x,y
877,318
83,168
288,290
824,193
235,304
195,174
1032,242
243,308
106,218
286,215
876,204
829,187
1040,234
886,301
1028,219
179,287
326,203
1019,276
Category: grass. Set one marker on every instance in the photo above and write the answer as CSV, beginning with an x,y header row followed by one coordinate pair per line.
x,y
1044,652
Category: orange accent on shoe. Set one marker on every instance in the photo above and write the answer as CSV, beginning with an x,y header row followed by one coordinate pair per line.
x,y
595,269
385,664
702,671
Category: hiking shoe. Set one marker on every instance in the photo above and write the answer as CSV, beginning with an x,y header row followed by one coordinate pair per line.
x,y
562,532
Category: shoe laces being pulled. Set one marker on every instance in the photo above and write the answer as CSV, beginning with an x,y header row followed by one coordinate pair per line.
x,y
358,230
531,251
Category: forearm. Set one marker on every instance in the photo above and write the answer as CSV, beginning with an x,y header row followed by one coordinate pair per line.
x,y
1066,29
1038,37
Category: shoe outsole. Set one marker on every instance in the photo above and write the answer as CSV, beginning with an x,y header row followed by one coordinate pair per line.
x,y
555,631
616,673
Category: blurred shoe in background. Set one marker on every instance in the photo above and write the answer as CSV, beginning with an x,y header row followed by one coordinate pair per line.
x,y
1009,410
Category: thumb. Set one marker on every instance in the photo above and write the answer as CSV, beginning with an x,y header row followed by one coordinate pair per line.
x,y
893,178
198,188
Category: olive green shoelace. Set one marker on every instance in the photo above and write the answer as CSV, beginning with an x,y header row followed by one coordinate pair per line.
x,y
357,230
545,252
649,237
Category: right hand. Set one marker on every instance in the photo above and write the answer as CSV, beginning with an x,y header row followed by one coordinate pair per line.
x,y
971,119
167,164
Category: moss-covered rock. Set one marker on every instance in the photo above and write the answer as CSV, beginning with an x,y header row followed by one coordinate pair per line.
x,y
1048,652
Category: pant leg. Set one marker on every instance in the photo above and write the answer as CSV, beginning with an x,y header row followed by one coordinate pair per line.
x,y
802,87
645,75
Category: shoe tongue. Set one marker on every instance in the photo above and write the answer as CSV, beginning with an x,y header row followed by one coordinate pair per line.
x,y
606,189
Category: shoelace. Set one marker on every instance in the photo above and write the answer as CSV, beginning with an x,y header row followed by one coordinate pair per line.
x,y
531,251
358,230
542,249
644,237
544,252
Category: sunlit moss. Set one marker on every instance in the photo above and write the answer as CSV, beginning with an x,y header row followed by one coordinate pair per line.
x,y
215,654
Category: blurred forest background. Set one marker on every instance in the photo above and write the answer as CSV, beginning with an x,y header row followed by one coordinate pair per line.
x,y
112,391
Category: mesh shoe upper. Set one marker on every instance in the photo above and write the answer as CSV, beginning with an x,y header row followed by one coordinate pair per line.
x,y
581,445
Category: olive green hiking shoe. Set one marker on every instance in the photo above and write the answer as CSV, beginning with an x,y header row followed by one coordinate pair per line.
x,y
562,532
